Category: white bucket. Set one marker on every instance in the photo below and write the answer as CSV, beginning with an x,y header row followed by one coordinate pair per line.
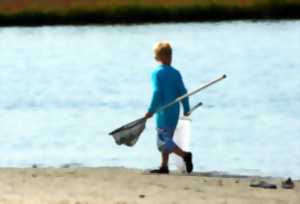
x,y
182,139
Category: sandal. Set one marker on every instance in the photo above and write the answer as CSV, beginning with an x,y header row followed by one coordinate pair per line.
x,y
161,170
188,162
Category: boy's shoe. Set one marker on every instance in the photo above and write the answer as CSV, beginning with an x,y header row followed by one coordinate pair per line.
x,y
161,170
188,162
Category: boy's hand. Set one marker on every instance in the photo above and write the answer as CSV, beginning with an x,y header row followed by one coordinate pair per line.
x,y
187,114
148,115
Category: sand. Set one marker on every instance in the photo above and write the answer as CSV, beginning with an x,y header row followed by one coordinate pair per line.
x,y
125,186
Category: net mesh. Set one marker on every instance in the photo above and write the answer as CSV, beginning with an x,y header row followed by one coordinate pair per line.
x,y
129,134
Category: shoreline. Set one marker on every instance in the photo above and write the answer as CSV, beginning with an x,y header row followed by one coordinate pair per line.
x,y
123,186
140,14
173,171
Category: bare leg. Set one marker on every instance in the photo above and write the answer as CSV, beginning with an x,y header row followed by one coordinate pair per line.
x,y
164,169
186,156
165,156
164,159
177,150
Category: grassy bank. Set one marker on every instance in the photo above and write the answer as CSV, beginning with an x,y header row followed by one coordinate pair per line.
x,y
53,12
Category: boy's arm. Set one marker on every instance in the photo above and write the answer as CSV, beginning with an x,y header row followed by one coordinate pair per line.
x,y
185,102
155,96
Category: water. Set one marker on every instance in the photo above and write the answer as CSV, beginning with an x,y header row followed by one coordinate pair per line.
x,y
64,88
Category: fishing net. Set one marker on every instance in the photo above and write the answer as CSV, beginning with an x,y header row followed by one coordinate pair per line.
x,y
129,134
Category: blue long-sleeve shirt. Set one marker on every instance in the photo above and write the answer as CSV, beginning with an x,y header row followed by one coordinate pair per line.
x,y
167,85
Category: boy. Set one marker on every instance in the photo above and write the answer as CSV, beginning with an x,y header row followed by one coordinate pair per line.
x,y
167,86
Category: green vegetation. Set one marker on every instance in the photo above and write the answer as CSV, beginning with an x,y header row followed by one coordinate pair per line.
x,y
53,12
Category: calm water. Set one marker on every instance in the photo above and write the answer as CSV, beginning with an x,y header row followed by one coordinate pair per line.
x,y
62,89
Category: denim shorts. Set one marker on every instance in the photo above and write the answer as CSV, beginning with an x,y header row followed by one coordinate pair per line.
x,y
165,141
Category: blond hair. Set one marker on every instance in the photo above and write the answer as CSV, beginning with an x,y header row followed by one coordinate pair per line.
x,y
162,49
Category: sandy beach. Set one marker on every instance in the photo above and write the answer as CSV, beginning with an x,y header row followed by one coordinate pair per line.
x,y
125,186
